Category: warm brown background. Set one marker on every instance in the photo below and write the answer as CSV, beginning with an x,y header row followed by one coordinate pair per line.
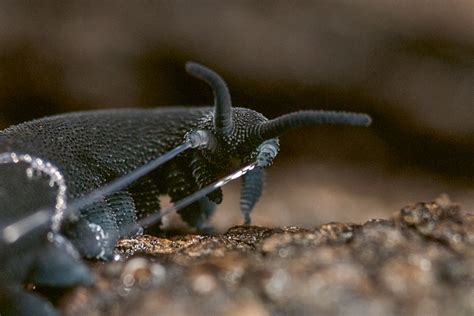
x,y
410,64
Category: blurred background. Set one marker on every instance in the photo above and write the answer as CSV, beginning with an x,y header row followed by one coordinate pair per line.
x,y
409,64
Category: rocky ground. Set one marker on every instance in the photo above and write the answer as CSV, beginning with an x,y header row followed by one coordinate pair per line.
x,y
420,261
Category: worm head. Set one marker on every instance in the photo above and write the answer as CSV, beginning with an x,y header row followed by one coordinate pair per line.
x,y
238,145
231,129
246,135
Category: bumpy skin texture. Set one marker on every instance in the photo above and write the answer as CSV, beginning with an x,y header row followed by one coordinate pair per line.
x,y
90,149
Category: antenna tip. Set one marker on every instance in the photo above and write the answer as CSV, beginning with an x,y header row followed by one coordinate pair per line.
x,y
368,120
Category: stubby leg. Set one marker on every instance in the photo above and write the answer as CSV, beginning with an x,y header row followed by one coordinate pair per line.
x,y
202,172
180,185
124,209
207,210
59,265
146,195
95,233
252,187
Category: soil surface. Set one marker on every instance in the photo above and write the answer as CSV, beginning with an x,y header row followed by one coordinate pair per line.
x,y
420,261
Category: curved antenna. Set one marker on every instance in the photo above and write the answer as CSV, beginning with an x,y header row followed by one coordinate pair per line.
x,y
222,102
274,128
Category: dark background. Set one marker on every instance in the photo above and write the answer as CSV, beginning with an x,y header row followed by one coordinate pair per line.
x,y
409,64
